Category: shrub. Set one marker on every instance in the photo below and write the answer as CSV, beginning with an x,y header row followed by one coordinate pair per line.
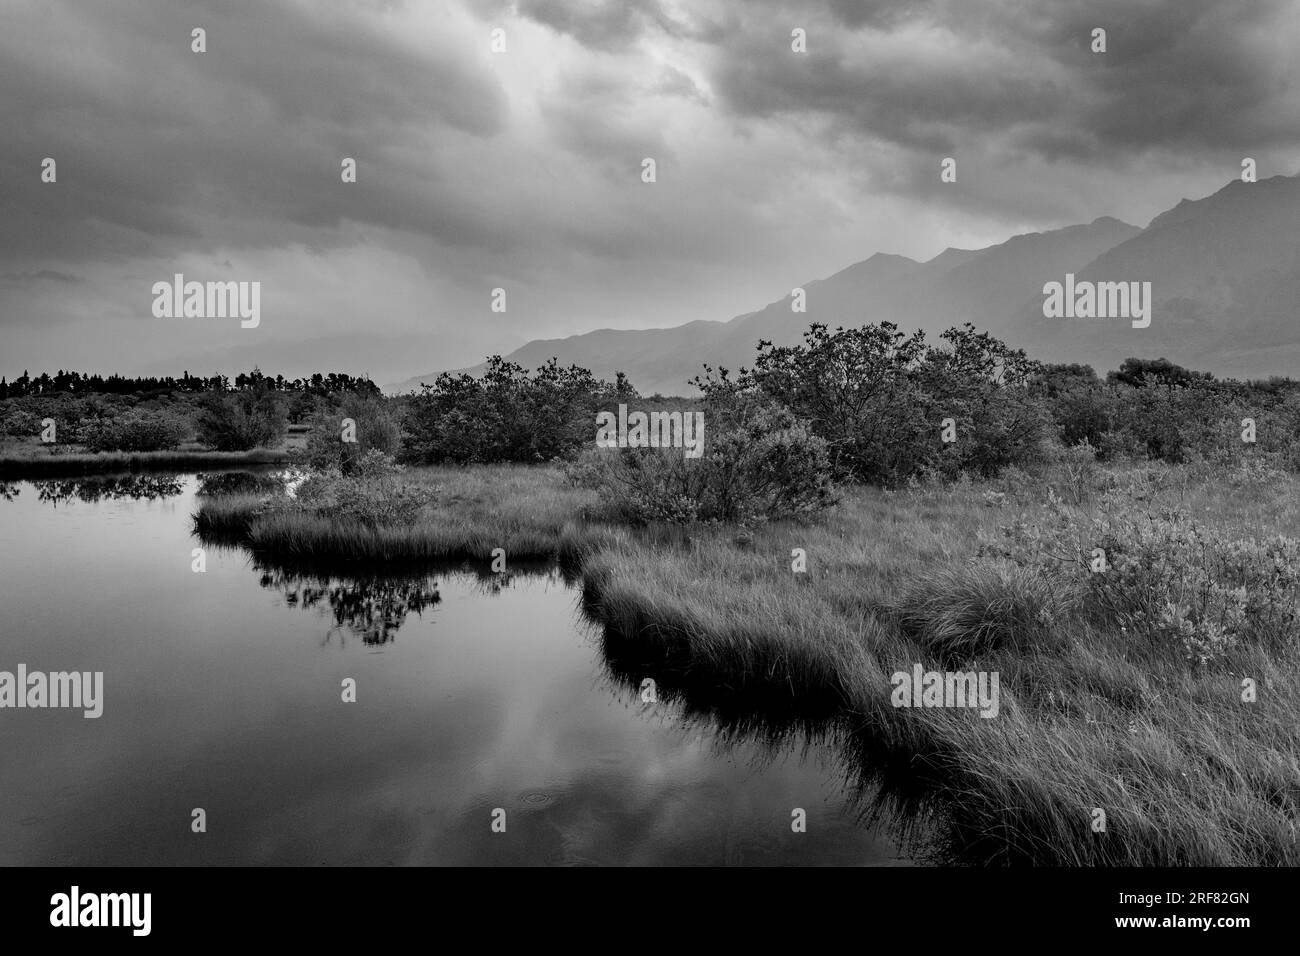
x,y
304,405
74,417
878,398
1162,576
19,423
377,428
135,431
1080,406
507,414
238,421
1165,423
372,494
1177,581
759,463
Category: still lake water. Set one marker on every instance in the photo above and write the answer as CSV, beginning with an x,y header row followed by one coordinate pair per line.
x,y
222,691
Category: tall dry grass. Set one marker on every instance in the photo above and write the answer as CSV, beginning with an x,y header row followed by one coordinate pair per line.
x,y
1090,719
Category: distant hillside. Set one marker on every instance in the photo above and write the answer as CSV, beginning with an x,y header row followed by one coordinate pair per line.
x,y
1225,275
1226,283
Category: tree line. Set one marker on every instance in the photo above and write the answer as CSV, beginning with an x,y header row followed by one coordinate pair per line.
x,y
84,383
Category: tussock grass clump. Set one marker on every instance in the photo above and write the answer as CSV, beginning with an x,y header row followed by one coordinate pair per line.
x,y
960,613
228,514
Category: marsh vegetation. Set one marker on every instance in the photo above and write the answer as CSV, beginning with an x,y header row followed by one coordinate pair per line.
x,y
1123,552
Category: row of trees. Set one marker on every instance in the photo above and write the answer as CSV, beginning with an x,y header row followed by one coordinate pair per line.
x,y
253,415
81,384
868,404
878,399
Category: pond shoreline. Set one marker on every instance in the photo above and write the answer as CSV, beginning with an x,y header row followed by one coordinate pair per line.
x,y
723,608
477,690
82,464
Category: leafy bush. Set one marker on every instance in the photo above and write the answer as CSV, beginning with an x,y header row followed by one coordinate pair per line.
x,y
377,428
372,494
1177,581
20,423
74,417
135,431
238,421
1151,372
304,405
879,398
508,415
1172,423
759,463
1161,575
1080,406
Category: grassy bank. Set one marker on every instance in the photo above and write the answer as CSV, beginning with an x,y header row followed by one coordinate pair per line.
x,y
1090,717
18,461
526,511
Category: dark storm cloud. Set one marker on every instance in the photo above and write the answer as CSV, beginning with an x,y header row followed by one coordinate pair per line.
x,y
980,76
523,169
913,105
160,146
1193,75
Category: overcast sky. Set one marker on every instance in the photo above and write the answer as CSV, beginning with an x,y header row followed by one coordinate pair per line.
x,y
522,169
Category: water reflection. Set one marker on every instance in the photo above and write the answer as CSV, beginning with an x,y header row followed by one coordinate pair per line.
x,y
756,721
883,789
374,605
240,482
372,608
500,696
135,487
142,486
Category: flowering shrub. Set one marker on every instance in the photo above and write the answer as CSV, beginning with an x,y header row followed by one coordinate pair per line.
x,y
1255,472
1165,576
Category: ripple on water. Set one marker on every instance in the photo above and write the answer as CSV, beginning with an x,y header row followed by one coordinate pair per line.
x,y
535,799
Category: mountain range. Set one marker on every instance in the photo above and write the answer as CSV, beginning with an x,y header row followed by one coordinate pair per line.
x,y
1224,273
